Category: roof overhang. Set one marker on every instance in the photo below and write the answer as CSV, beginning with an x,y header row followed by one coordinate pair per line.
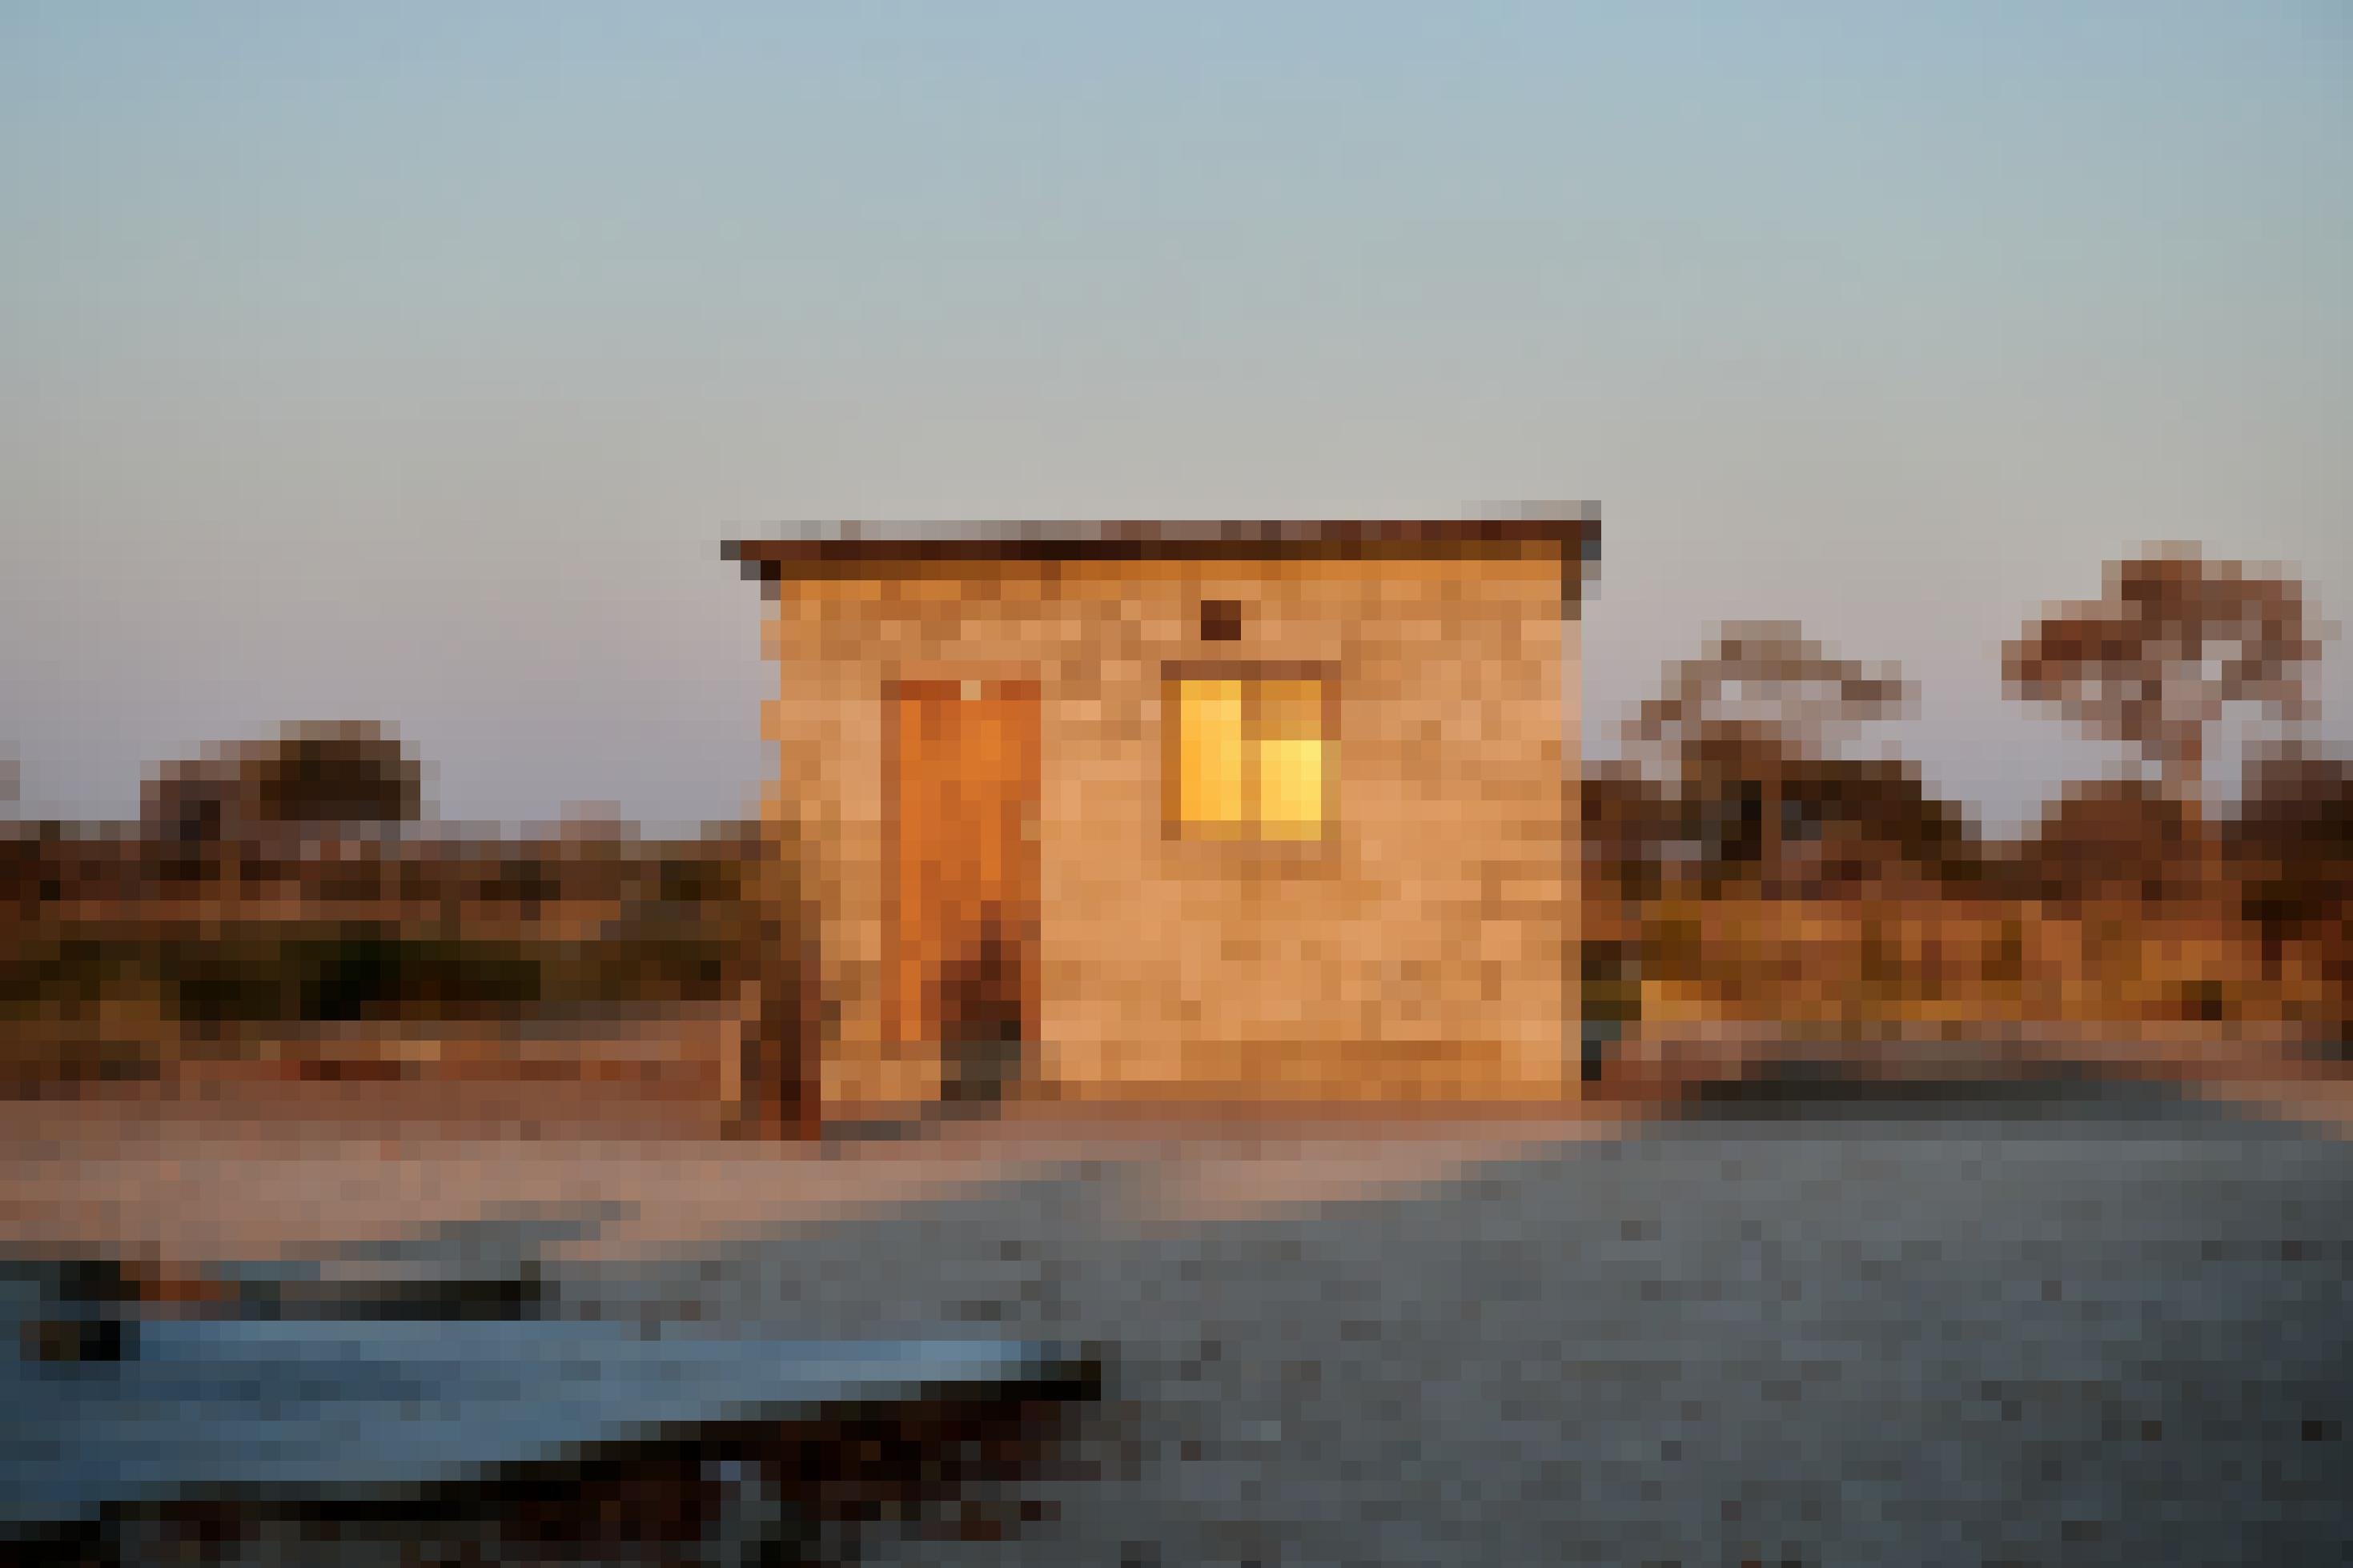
x,y
838,549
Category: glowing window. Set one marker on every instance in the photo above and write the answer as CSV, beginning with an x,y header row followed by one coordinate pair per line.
x,y
1246,756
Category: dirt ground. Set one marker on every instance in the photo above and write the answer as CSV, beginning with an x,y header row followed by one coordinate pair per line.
x,y
252,1169
244,1167
1996,1323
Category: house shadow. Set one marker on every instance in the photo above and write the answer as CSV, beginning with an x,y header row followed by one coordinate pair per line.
x,y
1800,1090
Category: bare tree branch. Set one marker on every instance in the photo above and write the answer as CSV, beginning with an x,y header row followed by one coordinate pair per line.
x,y
2154,661
1763,692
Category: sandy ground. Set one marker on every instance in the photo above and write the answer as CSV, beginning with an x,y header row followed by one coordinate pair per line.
x,y
2072,1326
258,1174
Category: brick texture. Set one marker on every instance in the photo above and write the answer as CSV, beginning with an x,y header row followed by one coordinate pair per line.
x,y
1423,951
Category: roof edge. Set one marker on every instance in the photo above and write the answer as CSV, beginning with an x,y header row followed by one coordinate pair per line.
x,y
838,545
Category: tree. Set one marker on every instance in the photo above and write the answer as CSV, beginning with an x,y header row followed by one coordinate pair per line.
x,y
2152,662
1873,823
2114,841
307,776
1731,724
1625,821
332,774
2291,844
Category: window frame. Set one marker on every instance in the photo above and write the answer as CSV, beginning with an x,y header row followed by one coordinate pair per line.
x,y
1248,835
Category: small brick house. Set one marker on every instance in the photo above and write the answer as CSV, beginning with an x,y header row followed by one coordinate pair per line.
x,y
1217,809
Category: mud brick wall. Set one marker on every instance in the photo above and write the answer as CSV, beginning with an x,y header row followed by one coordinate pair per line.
x,y
1425,950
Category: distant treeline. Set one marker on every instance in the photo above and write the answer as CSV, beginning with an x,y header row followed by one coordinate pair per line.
x,y
1840,828
1740,868
283,885
72,870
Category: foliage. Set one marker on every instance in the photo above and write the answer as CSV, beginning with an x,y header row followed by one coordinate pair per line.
x,y
2154,661
2117,842
308,775
100,955
1741,727
1762,693
2291,850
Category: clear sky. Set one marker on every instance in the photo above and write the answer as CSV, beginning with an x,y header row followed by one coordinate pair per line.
x,y
409,362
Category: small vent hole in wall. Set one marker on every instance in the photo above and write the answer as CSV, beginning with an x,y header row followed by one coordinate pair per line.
x,y
1221,620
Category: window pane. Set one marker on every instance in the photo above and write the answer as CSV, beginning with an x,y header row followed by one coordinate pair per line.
x,y
1290,788
1290,735
1210,751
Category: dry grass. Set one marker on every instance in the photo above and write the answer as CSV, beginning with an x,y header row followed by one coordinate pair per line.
x,y
1844,966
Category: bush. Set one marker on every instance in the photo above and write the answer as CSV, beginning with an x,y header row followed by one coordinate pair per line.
x,y
268,976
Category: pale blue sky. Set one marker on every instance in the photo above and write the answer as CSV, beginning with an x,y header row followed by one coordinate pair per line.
x,y
409,362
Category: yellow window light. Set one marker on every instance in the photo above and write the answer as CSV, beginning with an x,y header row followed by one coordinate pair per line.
x,y
1210,759
1248,757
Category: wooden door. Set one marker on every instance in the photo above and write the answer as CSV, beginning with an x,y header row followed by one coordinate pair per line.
x,y
962,773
